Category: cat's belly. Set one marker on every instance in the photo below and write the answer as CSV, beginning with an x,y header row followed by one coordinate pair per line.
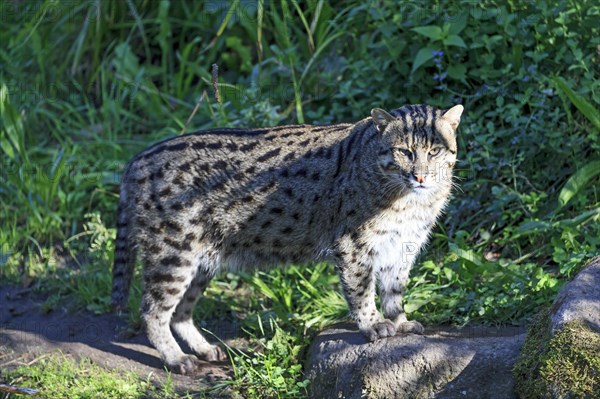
x,y
265,258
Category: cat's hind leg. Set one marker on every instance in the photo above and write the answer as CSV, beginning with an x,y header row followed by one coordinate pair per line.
x,y
182,322
167,276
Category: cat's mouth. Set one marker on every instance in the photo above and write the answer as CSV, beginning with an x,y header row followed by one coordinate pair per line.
x,y
419,186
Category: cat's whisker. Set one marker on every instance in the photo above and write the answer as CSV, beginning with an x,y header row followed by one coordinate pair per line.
x,y
457,186
392,186
387,191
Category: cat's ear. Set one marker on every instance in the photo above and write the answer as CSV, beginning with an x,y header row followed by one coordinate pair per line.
x,y
447,125
381,118
452,116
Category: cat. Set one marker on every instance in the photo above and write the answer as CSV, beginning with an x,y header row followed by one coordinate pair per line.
x,y
363,196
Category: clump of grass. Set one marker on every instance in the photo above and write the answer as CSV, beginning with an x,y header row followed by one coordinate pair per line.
x,y
270,369
59,376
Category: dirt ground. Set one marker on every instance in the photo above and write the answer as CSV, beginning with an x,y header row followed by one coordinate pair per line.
x,y
26,333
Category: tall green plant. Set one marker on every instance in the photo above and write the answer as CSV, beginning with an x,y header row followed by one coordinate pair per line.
x,y
591,170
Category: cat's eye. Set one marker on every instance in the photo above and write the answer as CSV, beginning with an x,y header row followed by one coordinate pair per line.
x,y
434,151
407,153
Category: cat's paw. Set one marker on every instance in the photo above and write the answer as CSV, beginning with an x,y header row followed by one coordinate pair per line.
x,y
212,353
187,365
382,329
412,327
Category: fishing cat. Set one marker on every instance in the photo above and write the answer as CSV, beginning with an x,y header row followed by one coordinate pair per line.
x,y
363,196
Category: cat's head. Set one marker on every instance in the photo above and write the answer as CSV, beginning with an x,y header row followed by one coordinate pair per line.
x,y
417,146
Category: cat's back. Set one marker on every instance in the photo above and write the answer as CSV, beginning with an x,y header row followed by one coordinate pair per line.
x,y
255,188
243,151
235,173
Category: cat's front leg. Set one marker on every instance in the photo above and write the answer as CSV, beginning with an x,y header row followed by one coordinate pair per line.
x,y
391,286
359,288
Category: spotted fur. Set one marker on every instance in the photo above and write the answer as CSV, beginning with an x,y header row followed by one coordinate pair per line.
x,y
364,196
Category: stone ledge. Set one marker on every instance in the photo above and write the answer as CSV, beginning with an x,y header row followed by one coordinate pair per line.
x,y
475,362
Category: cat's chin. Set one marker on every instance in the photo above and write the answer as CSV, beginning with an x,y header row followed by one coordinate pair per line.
x,y
421,191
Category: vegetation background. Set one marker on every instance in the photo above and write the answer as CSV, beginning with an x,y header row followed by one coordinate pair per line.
x,y
84,85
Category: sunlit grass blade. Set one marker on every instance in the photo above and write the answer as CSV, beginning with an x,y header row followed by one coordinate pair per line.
x,y
12,141
317,53
78,49
259,29
230,12
140,26
577,181
587,109
311,42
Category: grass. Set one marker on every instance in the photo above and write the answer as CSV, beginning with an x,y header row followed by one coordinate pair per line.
x,y
85,85
58,376
272,370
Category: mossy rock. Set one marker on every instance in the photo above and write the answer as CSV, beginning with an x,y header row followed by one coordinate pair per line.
x,y
566,365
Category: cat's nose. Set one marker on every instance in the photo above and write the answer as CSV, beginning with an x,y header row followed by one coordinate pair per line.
x,y
420,178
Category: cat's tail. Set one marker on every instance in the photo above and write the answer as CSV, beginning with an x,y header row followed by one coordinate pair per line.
x,y
124,255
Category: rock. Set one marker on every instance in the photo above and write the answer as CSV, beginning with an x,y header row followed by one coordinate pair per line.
x,y
579,300
561,355
475,362
566,365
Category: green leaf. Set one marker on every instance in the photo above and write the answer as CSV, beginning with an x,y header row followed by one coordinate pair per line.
x,y
12,132
457,71
534,226
459,24
309,35
581,103
432,32
56,173
165,27
415,304
235,43
467,255
234,6
125,61
577,181
424,55
579,219
454,40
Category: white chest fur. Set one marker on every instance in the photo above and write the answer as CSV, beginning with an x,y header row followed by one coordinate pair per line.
x,y
398,234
